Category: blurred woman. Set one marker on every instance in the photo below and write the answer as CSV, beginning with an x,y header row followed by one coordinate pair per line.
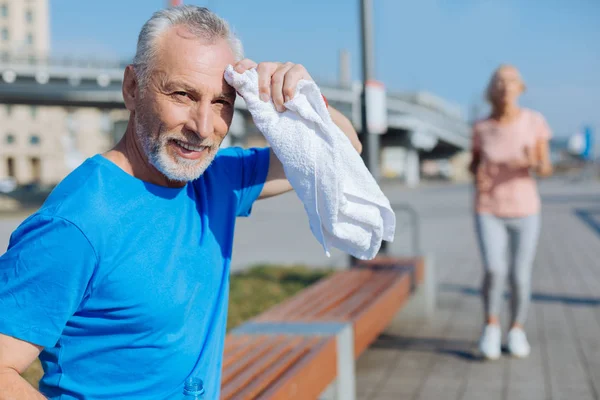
x,y
508,146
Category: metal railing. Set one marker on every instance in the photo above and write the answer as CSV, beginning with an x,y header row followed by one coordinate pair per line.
x,y
61,61
414,225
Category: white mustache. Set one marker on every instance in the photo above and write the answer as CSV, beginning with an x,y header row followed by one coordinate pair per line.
x,y
193,143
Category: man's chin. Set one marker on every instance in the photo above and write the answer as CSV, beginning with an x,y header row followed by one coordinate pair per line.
x,y
182,170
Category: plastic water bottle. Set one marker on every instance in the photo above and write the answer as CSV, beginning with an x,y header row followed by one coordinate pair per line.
x,y
193,389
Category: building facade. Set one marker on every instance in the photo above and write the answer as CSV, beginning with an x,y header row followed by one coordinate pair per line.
x,y
42,144
24,28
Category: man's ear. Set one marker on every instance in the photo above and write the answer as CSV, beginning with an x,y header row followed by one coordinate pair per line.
x,y
131,89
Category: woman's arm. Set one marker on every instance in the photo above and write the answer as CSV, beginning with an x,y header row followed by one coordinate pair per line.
x,y
475,161
544,166
475,151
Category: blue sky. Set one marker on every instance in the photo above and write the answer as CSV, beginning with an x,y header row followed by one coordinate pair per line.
x,y
448,47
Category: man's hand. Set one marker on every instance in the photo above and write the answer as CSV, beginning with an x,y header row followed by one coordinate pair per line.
x,y
276,81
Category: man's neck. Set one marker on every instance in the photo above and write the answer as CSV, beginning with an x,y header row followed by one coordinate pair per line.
x,y
130,157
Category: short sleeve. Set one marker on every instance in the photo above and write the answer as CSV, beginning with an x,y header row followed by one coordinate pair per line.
x,y
247,170
44,276
542,130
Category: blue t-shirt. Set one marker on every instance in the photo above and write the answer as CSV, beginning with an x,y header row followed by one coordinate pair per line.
x,y
126,283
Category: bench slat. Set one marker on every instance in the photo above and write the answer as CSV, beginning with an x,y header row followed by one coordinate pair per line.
x,y
385,261
307,376
305,300
285,346
235,347
296,301
354,280
274,371
233,353
344,281
363,296
256,352
233,341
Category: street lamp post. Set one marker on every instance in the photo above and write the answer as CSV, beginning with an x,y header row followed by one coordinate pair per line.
x,y
369,140
377,124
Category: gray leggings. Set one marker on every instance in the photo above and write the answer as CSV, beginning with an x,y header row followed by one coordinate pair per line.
x,y
500,238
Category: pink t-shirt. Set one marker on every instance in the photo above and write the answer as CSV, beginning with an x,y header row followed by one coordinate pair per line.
x,y
508,192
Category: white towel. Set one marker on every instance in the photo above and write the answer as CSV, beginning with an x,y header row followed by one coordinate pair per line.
x,y
345,206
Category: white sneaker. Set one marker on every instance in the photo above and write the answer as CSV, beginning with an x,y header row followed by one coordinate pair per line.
x,y
518,345
490,342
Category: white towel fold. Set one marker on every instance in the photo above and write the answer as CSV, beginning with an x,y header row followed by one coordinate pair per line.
x,y
345,206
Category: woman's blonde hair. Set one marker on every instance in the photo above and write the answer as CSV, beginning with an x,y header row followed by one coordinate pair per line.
x,y
490,86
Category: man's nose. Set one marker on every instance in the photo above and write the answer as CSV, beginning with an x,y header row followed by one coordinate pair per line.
x,y
200,120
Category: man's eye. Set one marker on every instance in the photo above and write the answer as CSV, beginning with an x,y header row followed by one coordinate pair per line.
x,y
223,102
181,94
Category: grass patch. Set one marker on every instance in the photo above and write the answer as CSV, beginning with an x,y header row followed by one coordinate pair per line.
x,y
251,293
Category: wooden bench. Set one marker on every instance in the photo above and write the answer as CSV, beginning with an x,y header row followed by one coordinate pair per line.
x,y
298,348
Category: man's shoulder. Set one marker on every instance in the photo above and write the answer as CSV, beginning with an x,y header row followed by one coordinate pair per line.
x,y
230,161
79,195
232,153
227,155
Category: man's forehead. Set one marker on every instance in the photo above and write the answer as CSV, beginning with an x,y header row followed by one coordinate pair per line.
x,y
178,48
170,81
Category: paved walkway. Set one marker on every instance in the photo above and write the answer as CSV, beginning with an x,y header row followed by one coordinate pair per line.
x,y
435,360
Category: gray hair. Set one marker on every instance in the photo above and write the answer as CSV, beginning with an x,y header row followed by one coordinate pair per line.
x,y
200,21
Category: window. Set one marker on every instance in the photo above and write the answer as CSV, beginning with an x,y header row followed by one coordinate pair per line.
x,y
34,139
4,34
36,169
29,38
9,110
10,138
10,167
29,16
3,10
33,110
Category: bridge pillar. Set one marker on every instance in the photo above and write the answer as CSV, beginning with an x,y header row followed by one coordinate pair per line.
x,y
412,173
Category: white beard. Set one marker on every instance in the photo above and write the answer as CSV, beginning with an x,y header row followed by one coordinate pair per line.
x,y
173,167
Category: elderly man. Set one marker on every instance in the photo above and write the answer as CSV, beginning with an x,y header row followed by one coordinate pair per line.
x,y
119,283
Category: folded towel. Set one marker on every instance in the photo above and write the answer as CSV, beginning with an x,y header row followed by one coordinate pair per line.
x,y
345,206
